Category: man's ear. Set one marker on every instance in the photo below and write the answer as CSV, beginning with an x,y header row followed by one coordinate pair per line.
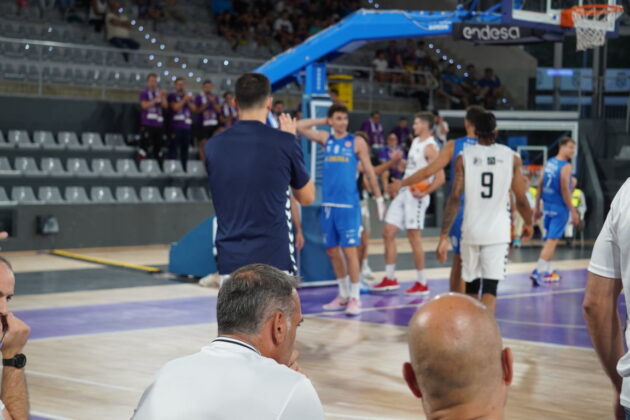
x,y
507,365
410,378
269,103
279,328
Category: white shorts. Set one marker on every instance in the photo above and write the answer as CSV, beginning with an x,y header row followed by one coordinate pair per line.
x,y
484,261
407,212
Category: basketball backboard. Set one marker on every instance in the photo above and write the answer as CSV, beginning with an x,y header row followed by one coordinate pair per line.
x,y
544,14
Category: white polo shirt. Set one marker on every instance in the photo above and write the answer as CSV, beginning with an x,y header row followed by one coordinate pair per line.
x,y
229,379
610,259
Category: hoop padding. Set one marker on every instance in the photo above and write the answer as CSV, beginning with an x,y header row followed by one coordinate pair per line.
x,y
591,23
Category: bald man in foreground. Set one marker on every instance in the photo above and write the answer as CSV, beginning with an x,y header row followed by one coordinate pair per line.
x,y
458,365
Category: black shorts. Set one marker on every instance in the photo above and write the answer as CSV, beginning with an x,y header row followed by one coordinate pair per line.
x,y
204,133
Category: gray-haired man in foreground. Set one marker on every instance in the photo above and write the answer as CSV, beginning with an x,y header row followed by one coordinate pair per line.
x,y
249,371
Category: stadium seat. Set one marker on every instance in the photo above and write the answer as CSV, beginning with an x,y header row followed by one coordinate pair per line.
x,y
4,198
6,169
23,195
101,195
150,195
173,168
27,166
126,195
3,142
150,167
69,140
21,139
197,194
45,140
76,195
104,168
78,167
174,195
93,141
116,141
196,169
53,167
50,195
127,168
624,153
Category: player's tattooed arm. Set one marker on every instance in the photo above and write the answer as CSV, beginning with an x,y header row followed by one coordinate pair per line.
x,y
454,199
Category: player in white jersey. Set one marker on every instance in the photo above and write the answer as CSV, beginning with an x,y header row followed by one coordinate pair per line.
x,y
407,210
485,173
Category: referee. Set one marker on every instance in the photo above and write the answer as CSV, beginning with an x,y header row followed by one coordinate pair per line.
x,y
252,169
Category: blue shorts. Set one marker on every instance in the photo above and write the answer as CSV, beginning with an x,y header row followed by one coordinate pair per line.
x,y
341,226
456,231
555,222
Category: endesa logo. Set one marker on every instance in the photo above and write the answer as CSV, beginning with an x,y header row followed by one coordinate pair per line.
x,y
491,33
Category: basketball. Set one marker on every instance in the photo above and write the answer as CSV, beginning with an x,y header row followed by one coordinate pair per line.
x,y
421,186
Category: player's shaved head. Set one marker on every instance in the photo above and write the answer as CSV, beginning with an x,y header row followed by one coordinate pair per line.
x,y
457,359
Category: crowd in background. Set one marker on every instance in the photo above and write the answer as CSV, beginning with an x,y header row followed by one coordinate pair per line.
x,y
415,66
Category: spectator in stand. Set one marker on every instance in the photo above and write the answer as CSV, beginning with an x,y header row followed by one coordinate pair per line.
x,y
471,87
391,53
209,107
152,102
403,133
96,14
440,128
374,130
385,155
263,34
315,27
380,67
422,55
182,106
579,202
334,97
118,29
452,87
283,30
409,76
277,109
495,90
409,52
229,112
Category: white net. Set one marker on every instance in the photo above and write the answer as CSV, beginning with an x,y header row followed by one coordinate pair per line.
x,y
591,25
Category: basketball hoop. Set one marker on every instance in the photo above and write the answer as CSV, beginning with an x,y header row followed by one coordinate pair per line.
x,y
533,171
591,23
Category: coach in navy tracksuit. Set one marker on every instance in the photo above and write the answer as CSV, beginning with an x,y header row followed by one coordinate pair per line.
x,y
252,169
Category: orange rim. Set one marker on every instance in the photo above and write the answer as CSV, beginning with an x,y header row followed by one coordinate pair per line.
x,y
566,17
532,169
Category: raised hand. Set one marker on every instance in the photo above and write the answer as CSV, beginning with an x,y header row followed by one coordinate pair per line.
x,y
287,124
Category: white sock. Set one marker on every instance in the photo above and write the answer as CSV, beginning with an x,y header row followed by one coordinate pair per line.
x,y
548,267
355,290
365,266
421,278
343,288
390,271
542,266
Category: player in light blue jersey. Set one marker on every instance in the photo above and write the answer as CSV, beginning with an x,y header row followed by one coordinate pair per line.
x,y
449,154
554,190
341,210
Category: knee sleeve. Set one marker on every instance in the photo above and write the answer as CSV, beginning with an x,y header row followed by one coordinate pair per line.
x,y
472,288
490,287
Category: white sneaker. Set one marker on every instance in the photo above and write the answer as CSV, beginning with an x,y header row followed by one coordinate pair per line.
x,y
367,273
211,280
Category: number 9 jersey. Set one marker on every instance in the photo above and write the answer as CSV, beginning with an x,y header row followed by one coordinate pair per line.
x,y
488,174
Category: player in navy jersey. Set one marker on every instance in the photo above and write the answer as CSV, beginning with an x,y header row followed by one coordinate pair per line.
x,y
341,210
554,190
449,154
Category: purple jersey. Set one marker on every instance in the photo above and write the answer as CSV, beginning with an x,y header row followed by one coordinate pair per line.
x,y
208,116
152,116
386,155
374,132
230,113
182,119
402,134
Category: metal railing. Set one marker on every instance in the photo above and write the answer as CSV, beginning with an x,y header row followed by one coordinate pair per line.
x,y
100,70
